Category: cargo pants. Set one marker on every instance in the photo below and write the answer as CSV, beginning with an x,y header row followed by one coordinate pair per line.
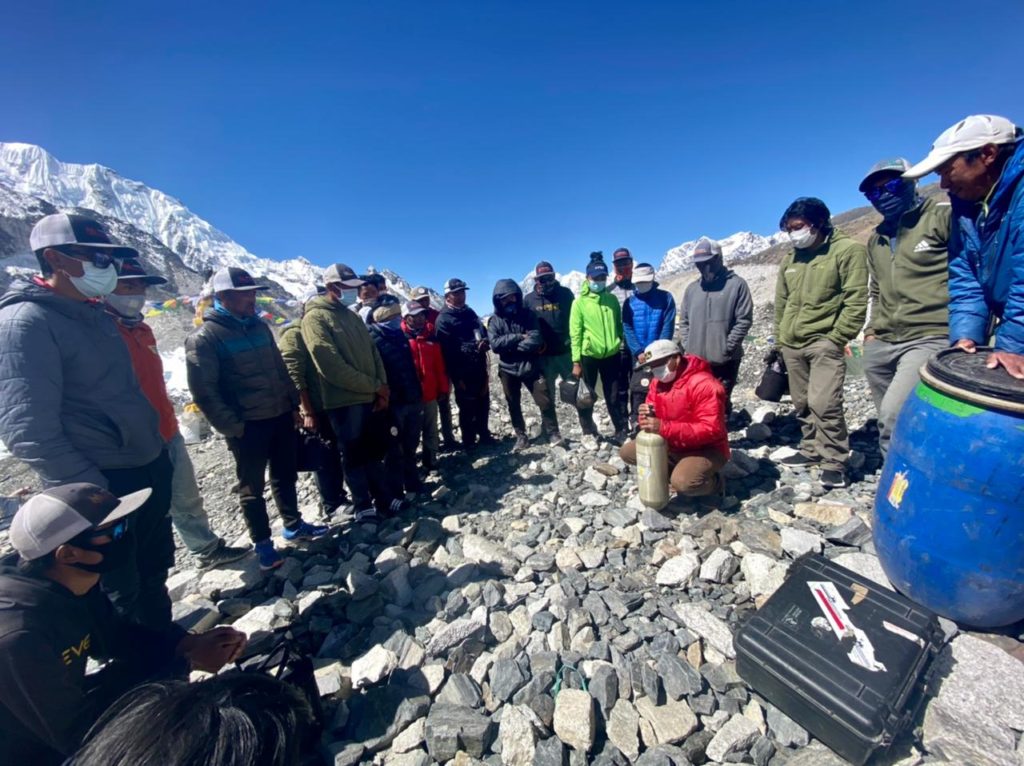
x,y
816,376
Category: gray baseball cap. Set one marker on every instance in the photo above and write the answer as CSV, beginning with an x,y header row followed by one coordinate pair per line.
x,y
59,514
60,229
896,165
705,250
339,273
233,278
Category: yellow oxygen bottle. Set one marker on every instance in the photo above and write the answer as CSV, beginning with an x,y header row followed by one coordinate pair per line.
x,y
652,470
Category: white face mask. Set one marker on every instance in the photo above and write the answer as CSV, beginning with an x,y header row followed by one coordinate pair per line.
x,y
664,374
801,239
644,287
95,282
128,306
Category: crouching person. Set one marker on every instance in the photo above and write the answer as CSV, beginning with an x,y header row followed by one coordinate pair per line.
x,y
686,406
53,618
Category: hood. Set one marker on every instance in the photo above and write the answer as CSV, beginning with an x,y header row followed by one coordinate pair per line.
x,y
21,592
504,287
1012,173
322,303
24,291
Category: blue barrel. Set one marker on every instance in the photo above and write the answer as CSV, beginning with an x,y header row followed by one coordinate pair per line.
x,y
949,512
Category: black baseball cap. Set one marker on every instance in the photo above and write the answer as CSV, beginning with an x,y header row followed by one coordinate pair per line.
x,y
233,278
132,269
622,254
59,229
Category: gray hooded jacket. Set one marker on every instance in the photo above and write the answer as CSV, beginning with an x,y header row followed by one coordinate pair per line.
x,y
716,317
72,406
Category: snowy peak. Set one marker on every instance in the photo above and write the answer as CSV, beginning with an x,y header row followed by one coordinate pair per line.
x,y
32,171
572,279
736,247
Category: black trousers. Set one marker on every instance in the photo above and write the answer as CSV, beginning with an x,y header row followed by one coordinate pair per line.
x,y
444,412
139,591
474,400
266,442
330,479
537,385
400,463
363,441
727,374
610,370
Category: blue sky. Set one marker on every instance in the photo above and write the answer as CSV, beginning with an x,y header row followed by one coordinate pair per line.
x,y
476,138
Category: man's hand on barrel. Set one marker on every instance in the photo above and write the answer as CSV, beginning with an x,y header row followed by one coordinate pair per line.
x,y
1014,363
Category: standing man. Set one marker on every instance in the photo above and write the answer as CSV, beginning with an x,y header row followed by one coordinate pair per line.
x,y
189,517
622,288
330,478
908,286
595,335
718,312
426,355
552,302
515,336
464,344
981,163
354,389
421,295
72,406
239,380
821,301
649,314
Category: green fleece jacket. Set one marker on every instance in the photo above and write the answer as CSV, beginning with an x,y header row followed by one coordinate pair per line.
x,y
343,353
822,293
595,325
299,363
909,275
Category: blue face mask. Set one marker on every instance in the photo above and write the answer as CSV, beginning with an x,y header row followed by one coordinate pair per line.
x,y
893,204
596,287
394,324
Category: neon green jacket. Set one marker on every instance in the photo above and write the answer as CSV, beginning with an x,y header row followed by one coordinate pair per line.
x,y
595,325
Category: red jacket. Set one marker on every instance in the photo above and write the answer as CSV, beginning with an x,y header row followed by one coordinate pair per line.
x,y
426,354
150,372
691,409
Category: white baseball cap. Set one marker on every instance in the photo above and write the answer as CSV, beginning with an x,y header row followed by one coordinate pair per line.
x,y
59,514
643,273
661,349
971,132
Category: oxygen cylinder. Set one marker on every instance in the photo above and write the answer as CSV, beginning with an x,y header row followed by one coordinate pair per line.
x,y
652,470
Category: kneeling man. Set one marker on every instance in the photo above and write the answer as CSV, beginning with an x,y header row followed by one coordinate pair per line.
x,y
686,405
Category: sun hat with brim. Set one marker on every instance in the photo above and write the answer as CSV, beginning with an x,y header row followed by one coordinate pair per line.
x,y
132,270
340,274
896,165
643,273
233,278
972,132
59,514
661,350
60,229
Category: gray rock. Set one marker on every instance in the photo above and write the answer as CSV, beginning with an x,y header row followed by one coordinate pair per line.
x,y
373,666
359,585
852,532
678,677
450,728
242,576
506,678
866,565
549,752
453,634
410,738
678,570
574,722
182,583
349,755
720,566
619,517
758,432
518,735
763,574
738,734
976,716
815,754
665,724
655,522
797,542
460,690
786,731
604,686
593,500
826,514
707,626
623,729
197,616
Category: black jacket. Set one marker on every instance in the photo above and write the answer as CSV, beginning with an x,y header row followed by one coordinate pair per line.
x,y
46,635
236,373
399,366
457,331
552,311
515,334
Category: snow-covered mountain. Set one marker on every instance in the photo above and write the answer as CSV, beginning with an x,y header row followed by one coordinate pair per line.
x,y
571,279
32,171
736,247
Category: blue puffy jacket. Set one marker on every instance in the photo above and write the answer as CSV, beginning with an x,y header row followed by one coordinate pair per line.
x,y
647,317
986,263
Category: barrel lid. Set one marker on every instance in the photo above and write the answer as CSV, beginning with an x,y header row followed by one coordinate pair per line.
x,y
965,376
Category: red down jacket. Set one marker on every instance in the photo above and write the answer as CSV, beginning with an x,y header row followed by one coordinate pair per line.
x,y
691,409
426,354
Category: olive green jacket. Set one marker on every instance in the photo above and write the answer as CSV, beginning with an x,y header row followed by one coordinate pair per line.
x,y
822,293
299,363
343,353
909,275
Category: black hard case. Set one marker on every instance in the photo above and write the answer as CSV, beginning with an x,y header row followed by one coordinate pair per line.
x,y
806,673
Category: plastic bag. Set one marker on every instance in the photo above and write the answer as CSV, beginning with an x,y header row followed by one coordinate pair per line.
x,y
568,389
585,398
775,380
193,424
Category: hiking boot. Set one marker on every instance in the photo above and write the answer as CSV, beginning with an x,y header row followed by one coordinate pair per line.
x,y
799,460
367,514
305,531
619,437
521,442
555,439
269,558
224,554
487,440
832,479
398,505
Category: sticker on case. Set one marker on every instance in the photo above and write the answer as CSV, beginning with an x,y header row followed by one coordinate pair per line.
x,y
834,609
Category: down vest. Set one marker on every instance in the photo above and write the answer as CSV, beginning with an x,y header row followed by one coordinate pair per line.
x,y
691,409
236,373
72,406
647,317
149,369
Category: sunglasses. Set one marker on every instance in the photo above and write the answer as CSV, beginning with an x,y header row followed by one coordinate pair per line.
x,y
545,280
99,258
115,532
893,186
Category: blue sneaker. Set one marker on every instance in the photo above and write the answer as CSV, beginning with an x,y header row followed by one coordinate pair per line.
x,y
305,531
269,558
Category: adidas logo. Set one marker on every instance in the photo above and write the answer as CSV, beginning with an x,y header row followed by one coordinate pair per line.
x,y
923,246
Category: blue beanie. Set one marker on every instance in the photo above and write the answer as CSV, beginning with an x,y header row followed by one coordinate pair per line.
x,y
596,270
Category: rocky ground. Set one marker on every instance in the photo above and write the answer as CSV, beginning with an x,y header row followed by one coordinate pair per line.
x,y
465,630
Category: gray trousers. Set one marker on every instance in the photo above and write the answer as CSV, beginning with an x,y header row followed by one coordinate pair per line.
x,y
892,371
816,376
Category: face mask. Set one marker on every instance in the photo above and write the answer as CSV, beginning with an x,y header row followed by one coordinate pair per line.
x,y
508,309
596,287
664,374
128,306
893,205
116,554
801,239
395,323
546,287
644,287
95,282
348,297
